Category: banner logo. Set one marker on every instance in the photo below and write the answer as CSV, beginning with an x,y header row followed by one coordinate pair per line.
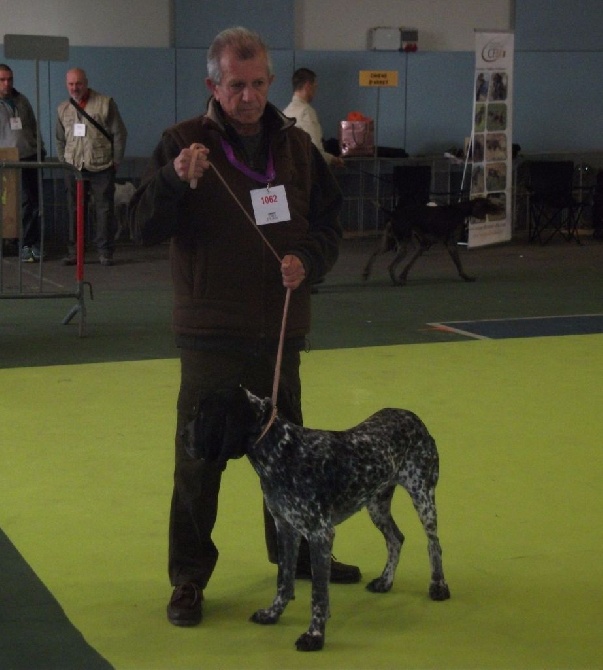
x,y
493,51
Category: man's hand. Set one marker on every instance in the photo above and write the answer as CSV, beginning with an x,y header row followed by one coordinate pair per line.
x,y
191,163
293,271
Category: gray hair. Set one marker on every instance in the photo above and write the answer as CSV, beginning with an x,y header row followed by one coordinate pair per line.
x,y
245,43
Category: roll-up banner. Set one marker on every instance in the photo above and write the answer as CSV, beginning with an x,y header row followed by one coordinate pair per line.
x,y
490,158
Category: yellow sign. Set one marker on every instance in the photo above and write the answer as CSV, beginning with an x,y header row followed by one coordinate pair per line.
x,y
380,78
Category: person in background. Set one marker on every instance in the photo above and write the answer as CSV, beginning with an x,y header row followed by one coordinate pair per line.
x,y
19,129
91,136
229,289
305,83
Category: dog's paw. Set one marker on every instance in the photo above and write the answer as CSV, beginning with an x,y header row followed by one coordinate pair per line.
x,y
439,591
310,642
264,617
379,586
469,277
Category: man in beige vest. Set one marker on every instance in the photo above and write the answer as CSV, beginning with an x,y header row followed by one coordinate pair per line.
x,y
91,136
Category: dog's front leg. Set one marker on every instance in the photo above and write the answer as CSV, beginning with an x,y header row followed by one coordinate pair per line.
x,y
401,252
401,279
454,254
320,556
288,547
386,243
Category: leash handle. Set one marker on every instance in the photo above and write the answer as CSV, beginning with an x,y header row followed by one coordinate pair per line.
x,y
195,148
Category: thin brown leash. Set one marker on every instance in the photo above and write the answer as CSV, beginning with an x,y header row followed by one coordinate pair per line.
x,y
193,184
195,148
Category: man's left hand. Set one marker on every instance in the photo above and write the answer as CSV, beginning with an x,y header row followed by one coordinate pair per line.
x,y
293,271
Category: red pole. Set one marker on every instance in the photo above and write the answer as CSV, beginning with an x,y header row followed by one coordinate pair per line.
x,y
79,229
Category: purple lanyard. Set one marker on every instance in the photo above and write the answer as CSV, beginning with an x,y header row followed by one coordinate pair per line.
x,y
267,178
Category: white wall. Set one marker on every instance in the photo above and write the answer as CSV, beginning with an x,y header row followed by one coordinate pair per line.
x,y
102,23
321,25
443,25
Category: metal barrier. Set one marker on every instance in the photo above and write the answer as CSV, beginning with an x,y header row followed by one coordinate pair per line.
x,y
23,293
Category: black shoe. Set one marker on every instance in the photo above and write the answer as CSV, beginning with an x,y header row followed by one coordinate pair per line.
x,y
184,608
341,573
69,260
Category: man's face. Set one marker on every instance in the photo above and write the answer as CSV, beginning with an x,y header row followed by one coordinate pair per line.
x,y
6,83
311,90
243,90
77,85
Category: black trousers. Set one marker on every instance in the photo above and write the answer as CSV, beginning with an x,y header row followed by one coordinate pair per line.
x,y
30,202
192,552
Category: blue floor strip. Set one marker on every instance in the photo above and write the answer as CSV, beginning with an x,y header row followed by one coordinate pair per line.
x,y
545,326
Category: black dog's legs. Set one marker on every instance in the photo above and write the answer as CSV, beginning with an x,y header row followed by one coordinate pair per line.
x,y
386,243
401,252
380,513
288,547
424,502
454,254
401,279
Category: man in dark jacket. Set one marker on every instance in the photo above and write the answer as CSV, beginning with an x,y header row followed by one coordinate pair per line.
x,y
19,129
229,286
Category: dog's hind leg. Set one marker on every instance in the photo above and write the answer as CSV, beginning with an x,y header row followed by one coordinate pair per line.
x,y
288,547
456,259
423,499
380,513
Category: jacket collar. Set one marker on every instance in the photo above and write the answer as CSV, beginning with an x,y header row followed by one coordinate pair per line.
x,y
273,119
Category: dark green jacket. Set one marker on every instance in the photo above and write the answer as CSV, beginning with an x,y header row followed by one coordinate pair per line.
x,y
227,283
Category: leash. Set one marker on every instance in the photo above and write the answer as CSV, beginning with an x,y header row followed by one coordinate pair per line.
x,y
196,150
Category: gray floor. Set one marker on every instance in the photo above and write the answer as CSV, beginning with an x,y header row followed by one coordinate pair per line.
x,y
129,315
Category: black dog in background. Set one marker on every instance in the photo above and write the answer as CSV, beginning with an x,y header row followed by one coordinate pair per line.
x,y
314,479
428,224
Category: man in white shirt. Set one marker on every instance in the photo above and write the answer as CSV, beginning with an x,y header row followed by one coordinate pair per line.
x,y
304,89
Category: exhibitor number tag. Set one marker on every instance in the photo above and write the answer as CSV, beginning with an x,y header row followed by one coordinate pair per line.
x,y
270,205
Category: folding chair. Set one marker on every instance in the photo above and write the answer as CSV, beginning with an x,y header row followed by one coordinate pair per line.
x,y
553,210
412,184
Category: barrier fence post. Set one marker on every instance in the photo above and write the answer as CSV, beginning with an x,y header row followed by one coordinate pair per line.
x,y
78,294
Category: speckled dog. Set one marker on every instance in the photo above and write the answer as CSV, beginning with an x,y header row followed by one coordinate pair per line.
x,y
314,479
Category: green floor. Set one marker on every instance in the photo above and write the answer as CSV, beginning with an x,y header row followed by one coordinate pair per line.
x,y
85,481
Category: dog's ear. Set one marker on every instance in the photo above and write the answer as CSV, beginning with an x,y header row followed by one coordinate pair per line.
x,y
221,428
263,410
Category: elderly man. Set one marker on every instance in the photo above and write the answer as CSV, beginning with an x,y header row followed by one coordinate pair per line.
x,y
91,136
229,288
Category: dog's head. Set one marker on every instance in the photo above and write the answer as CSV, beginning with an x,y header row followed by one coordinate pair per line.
x,y
482,207
226,423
